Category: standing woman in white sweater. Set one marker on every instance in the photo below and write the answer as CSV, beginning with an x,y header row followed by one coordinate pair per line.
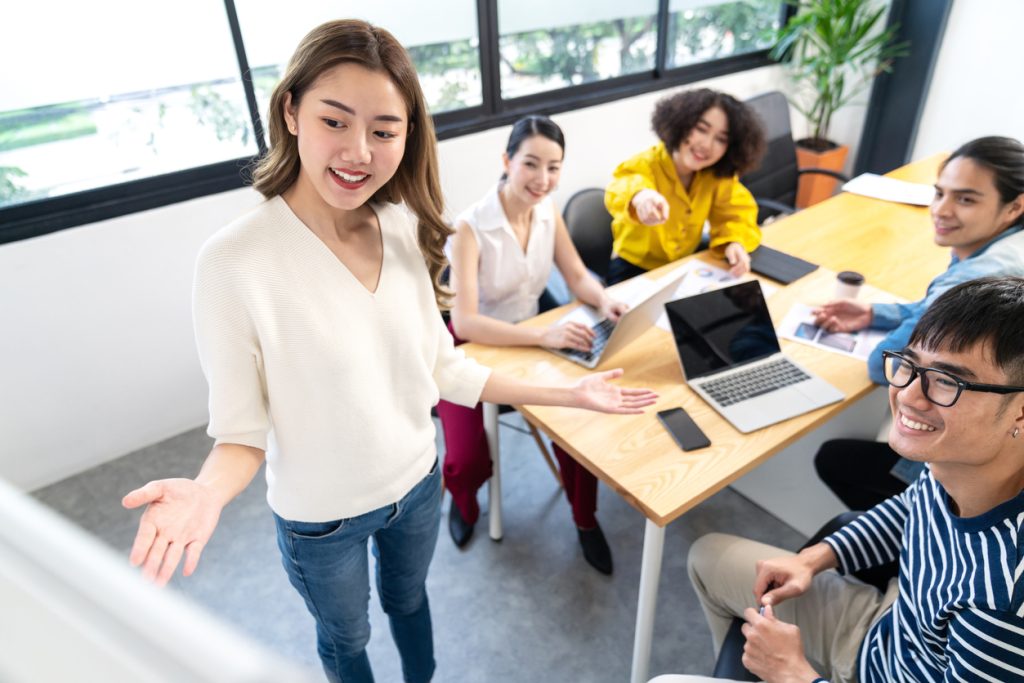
x,y
318,330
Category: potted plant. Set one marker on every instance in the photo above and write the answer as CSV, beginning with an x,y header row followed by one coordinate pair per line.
x,y
834,48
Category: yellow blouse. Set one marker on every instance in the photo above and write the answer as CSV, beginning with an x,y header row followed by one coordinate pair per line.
x,y
723,201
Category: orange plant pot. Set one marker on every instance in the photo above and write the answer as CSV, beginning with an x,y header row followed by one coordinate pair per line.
x,y
813,187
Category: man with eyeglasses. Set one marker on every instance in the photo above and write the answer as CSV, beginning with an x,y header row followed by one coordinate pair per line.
x,y
956,610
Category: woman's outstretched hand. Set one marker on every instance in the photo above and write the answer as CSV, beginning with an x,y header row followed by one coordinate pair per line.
x,y
179,520
596,392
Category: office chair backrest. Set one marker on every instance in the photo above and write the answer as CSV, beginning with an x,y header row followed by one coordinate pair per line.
x,y
776,177
590,227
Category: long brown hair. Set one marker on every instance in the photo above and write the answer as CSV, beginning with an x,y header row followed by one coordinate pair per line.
x,y
416,181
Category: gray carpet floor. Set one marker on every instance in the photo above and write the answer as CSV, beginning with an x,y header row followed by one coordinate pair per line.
x,y
526,609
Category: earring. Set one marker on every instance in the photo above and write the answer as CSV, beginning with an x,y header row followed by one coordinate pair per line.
x,y
1016,431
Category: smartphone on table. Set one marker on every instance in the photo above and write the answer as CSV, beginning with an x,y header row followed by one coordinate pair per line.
x,y
683,429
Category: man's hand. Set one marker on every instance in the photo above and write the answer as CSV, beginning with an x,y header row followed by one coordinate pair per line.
x,y
843,315
781,578
773,651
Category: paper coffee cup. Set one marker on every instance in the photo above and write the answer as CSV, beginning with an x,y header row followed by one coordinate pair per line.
x,y
848,284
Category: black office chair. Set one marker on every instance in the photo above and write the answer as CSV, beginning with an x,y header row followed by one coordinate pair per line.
x,y
774,182
730,657
590,227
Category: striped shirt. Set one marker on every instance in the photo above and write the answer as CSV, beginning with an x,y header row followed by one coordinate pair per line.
x,y
959,615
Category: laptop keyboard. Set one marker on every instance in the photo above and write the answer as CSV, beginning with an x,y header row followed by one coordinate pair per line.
x,y
602,330
754,382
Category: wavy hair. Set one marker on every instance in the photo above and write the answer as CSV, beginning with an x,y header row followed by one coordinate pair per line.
x,y
677,115
416,182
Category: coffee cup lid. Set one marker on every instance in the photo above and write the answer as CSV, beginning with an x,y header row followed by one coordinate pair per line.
x,y
850,277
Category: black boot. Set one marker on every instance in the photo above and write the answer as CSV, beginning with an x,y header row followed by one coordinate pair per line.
x,y
460,530
595,549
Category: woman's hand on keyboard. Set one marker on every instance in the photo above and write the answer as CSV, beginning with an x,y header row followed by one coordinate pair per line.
x,y
612,309
571,335
596,392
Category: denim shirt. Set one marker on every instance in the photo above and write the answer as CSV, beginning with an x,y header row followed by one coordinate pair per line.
x,y
1004,255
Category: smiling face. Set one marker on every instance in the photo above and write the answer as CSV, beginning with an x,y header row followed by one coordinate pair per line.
x,y
973,431
705,145
967,211
351,127
534,170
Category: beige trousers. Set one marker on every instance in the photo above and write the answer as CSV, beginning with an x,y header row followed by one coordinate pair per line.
x,y
834,615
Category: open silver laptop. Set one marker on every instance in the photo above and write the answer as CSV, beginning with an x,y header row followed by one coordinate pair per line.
x,y
730,355
612,337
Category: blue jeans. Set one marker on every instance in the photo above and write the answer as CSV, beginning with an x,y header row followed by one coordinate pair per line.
x,y
326,562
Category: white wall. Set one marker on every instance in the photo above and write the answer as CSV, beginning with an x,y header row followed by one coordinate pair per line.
x,y
96,351
976,89
96,354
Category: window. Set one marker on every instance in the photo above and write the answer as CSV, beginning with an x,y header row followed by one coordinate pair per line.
x,y
101,117
547,45
441,37
90,107
702,30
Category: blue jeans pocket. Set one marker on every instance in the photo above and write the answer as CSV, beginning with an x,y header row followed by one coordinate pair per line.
x,y
315,530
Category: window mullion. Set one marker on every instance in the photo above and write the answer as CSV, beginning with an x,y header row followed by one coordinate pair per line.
x,y
489,45
246,75
661,52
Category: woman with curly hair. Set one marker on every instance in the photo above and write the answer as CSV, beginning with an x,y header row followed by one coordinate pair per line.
x,y
661,198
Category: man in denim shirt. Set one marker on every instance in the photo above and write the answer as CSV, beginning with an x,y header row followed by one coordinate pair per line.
x,y
977,212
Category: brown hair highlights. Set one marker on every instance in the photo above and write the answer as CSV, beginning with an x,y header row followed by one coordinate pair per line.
x,y
676,115
416,182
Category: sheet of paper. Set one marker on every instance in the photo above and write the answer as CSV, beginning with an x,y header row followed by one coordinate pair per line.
x,y
798,325
891,189
703,277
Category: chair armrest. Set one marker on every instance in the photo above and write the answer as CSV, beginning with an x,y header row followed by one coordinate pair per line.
x,y
765,203
824,171
730,658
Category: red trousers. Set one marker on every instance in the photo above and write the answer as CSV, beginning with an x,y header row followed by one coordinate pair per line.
x,y
467,465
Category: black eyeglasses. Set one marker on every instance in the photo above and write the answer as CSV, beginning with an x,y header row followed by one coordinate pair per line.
x,y
939,387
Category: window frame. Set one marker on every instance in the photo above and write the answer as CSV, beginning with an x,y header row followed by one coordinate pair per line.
x,y
44,216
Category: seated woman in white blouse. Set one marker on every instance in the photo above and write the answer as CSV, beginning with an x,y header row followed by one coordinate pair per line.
x,y
501,256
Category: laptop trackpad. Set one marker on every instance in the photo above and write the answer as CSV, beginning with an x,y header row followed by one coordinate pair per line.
x,y
768,409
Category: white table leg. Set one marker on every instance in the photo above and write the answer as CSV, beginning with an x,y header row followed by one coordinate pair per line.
x,y
494,486
650,574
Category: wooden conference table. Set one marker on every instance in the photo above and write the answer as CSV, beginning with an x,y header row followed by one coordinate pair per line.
x,y
890,244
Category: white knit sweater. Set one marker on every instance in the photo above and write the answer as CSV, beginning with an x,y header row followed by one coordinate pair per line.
x,y
333,381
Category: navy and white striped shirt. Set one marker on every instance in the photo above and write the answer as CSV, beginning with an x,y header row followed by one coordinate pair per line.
x,y
959,615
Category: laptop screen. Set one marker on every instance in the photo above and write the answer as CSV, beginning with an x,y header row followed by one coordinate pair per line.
x,y
722,328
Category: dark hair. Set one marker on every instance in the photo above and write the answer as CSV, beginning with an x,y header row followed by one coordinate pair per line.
x,y
531,125
1003,156
989,310
677,115
416,182
528,126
